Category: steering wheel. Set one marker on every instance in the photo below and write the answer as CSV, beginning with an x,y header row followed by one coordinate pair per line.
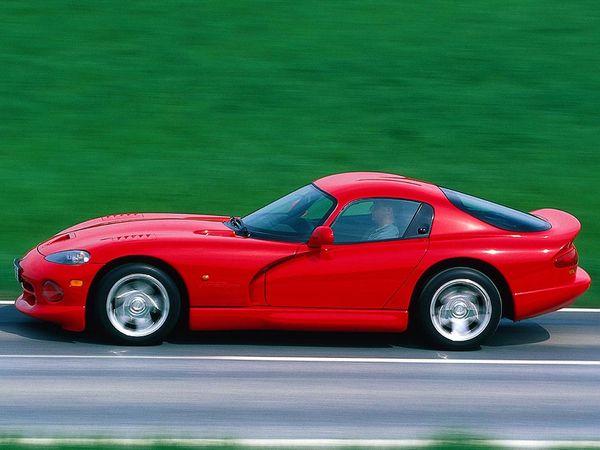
x,y
301,225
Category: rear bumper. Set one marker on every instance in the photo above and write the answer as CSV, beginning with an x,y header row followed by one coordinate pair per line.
x,y
534,303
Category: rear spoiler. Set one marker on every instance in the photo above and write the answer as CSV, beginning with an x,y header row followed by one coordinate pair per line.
x,y
564,225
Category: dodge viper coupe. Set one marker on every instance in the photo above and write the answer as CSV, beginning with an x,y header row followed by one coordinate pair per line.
x,y
357,251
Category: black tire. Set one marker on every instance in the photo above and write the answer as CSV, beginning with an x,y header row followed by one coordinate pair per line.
x,y
136,304
458,308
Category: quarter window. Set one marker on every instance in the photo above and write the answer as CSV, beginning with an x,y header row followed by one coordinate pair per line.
x,y
496,215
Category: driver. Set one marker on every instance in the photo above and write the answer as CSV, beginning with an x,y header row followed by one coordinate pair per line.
x,y
382,213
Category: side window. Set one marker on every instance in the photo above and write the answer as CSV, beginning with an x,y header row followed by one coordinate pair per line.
x,y
376,219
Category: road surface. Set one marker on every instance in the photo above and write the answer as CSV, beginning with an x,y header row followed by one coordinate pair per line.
x,y
538,379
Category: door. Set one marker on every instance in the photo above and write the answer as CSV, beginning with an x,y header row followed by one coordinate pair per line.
x,y
378,242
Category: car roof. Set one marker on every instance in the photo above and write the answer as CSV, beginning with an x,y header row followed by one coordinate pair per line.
x,y
352,185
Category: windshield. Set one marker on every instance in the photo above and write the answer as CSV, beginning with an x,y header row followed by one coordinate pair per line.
x,y
291,218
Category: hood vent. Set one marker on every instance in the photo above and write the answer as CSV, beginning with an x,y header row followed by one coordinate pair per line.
x,y
123,216
130,237
64,237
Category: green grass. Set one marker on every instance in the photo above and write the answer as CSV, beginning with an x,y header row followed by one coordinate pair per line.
x,y
452,445
218,107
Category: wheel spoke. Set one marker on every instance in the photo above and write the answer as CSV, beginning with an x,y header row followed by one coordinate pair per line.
x,y
473,313
141,323
446,322
459,327
144,287
124,289
445,297
122,315
126,293
154,303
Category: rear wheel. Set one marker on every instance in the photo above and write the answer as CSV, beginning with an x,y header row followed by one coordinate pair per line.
x,y
459,308
137,304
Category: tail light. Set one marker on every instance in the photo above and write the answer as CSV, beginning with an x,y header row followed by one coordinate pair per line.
x,y
52,291
567,256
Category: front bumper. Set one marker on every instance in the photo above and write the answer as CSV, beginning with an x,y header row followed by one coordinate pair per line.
x,y
535,303
70,318
33,270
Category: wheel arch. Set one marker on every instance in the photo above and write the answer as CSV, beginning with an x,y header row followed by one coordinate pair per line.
x,y
141,259
486,268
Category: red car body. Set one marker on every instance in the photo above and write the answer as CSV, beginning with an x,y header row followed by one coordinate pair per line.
x,y
231,281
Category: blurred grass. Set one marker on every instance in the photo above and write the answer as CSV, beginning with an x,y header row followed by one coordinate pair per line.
x,y
219,107
464,443
442,444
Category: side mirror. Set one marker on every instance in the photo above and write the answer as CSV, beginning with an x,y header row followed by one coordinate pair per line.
x,y
321,236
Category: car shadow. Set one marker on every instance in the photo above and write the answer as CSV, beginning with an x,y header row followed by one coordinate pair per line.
x,y
508,334
14,323
517,333
293,339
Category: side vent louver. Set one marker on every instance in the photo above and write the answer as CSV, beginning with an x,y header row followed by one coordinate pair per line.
x,y
122,216
131,237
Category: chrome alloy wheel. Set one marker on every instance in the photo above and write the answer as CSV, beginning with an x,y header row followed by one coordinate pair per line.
x,y
137,305
460,310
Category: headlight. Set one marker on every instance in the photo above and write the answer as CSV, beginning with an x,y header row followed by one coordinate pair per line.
x,y
70,257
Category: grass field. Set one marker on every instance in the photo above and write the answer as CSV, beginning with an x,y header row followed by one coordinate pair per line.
x,y
218,107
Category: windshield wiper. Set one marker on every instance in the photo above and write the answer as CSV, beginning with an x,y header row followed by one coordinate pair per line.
x,y
238,224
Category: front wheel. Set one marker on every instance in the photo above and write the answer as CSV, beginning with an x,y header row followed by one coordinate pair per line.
x,y
458,308
137,304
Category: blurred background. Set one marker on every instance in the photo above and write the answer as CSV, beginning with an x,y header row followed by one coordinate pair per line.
x,y
221,106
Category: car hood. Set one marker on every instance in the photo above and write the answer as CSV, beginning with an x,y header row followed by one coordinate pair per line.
x,y
134,226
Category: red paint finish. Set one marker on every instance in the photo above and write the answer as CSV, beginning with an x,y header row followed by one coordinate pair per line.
x,y
300,319
347,276
265,284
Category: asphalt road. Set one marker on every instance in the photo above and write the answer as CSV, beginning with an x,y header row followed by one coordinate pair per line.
x,y
538,379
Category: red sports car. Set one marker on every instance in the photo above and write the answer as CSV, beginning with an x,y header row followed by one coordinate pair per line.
x,y
350,252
